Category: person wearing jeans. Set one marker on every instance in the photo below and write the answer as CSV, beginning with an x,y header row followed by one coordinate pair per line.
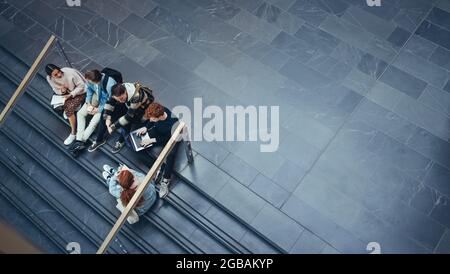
x,y
123,110
123,183
96,98
160,125
83,132
102,131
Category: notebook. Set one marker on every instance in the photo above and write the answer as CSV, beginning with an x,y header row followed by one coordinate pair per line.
x,y
57,101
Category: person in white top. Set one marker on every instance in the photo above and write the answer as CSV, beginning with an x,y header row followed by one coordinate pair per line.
x,y
71,84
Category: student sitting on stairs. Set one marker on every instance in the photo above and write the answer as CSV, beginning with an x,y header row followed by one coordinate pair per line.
x,y
96,98
69,83
124,109
160,125
123,183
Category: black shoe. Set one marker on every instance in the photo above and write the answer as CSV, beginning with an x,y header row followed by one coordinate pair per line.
x,y
96,145
80,145
118,147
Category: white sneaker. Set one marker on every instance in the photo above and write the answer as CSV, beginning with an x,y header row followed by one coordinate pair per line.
x,y
164,189
70,139
108,169
106,175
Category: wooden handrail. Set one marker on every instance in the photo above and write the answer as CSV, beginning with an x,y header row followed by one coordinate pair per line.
x,y
142,187
27,79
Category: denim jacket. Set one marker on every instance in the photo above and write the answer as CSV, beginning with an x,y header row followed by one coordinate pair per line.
x,y
103,95
149,196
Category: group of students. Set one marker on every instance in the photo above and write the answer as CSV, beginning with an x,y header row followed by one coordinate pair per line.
x,y
114,106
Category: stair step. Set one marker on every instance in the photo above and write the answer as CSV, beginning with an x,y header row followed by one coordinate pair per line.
x,y
222,231
83,189
91,181
41,213
17,219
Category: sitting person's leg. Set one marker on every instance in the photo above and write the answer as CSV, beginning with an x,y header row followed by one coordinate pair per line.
x,y
71,105
103,128
73,130
100,139
81,118
125,130
170,162
120,143
168,170
91,127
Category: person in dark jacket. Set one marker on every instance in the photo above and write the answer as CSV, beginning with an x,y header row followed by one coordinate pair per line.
x,y
159,126
124,109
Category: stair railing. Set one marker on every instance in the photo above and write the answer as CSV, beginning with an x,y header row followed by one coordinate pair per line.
x,y
177,136
27,79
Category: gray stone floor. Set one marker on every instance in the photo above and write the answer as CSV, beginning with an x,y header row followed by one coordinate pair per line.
x,y
364,95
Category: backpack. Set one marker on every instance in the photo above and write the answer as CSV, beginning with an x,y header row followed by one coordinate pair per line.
x,y
111,73
141,90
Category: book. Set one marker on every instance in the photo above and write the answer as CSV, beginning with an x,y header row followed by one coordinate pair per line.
x,y
138,139
57,101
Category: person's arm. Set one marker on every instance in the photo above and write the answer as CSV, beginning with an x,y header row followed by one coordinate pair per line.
x,y
138,175
153,131
111,82
102,102
89,93
128,117
114,187
106,102
109,109
79,83
56,89
135,103
162,132
157,132
149,125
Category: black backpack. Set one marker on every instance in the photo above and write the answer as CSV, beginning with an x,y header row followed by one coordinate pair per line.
x,y
109,72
